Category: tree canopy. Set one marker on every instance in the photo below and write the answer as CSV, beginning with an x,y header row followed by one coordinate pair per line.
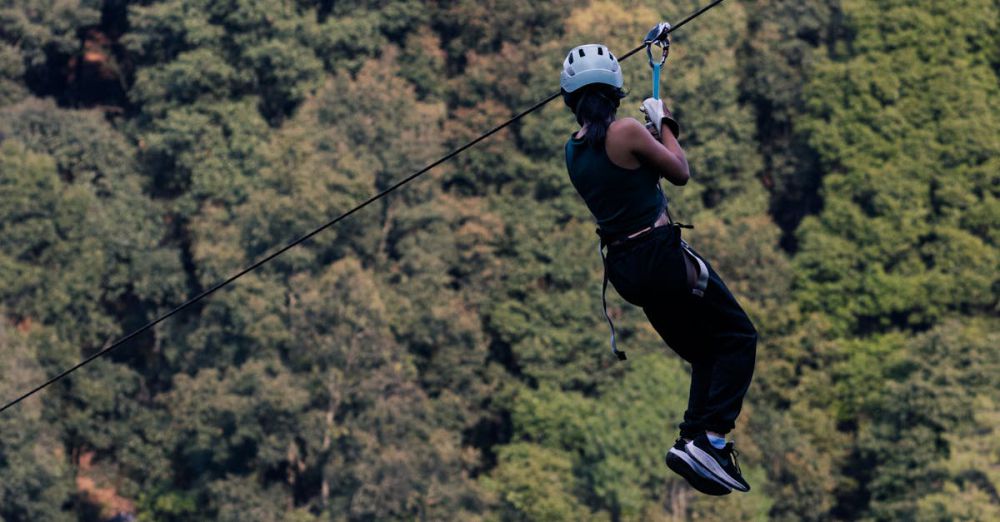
x,y
442,355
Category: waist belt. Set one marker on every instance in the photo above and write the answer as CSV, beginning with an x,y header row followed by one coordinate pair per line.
x,y
664,220
661,221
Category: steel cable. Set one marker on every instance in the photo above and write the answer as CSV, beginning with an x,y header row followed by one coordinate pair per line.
x,y
306,237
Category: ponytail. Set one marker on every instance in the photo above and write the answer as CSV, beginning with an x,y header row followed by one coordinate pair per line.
x,y
594,106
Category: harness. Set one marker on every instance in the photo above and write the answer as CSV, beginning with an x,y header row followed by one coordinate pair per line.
x,y
659,36
665,220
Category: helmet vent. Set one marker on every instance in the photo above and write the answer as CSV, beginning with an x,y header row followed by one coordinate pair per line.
x,y
589,64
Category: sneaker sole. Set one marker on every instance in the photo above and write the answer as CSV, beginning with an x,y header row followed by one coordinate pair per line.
x,y
713,467
699,469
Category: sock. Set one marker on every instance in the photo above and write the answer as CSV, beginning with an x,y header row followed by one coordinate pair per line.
x,y
717,442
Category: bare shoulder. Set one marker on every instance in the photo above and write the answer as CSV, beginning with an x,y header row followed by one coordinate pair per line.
x,y
620,144
626,126
624,132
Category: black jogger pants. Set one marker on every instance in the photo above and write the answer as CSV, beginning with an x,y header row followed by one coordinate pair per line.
x,y
710,332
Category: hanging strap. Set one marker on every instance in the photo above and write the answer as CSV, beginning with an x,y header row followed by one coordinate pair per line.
x,y
604,304
660,37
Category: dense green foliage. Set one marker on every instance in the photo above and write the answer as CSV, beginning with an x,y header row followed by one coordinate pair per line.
x,y
441,355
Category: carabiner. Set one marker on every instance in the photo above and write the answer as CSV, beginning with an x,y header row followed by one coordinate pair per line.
x,y
659,35
665,51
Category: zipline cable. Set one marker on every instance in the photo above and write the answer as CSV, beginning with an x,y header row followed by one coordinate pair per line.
x,y
334,221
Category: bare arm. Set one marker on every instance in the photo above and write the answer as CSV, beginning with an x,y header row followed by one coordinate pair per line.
x,y
665,155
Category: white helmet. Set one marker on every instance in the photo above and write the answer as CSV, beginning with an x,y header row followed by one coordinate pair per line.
x,y
587,64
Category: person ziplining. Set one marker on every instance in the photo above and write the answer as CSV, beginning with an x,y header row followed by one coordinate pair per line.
x,y
616,164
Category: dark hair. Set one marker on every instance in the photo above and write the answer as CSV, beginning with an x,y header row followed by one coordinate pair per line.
x,y
594,106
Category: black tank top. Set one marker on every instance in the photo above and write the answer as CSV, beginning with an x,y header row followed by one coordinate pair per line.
x,y
621,200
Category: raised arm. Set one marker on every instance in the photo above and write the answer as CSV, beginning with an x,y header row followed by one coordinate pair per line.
x,y
665,155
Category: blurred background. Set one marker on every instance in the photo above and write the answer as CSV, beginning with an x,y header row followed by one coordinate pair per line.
x,y
442,355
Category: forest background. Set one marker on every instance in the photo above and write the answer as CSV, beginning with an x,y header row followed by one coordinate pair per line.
x,y
442,355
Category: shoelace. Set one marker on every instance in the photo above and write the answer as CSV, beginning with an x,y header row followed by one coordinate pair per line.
x,y
732,453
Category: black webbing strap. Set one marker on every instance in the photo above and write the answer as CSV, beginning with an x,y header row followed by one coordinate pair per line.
x,y
604,303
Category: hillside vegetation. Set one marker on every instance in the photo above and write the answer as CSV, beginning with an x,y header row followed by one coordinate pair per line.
x,y
442,355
